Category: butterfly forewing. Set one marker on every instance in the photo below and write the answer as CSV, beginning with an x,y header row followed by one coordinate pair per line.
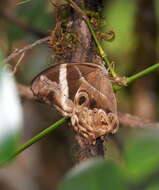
x,y
66,75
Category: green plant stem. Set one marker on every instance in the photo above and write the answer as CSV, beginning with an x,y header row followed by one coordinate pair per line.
x,y
138,76
142,73
23,2
101,51
36,138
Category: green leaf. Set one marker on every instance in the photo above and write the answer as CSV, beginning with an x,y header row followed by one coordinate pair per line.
x,y
119,16
142,157
95,174
10,113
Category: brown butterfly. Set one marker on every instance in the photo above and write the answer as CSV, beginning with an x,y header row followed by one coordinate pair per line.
x,y
83,92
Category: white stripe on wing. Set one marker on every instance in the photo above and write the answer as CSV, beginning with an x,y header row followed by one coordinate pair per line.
x,y
63,85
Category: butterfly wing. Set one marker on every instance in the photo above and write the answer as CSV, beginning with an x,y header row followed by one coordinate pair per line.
x,y
58,84
69,87
102,91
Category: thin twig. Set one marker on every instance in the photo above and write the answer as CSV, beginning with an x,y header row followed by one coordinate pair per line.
x,y
18,63
142,73
138,76
23,2
26,48
132,121
22,24
53,4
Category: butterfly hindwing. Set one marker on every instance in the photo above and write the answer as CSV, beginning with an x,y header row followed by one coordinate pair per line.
x,y
99,89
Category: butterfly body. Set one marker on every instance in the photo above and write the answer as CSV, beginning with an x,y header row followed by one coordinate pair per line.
x,y
83,92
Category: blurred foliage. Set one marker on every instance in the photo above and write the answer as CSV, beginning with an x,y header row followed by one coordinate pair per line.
x,y
36,14
10,113
137,170
120,17
122,23
141,157
94,175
